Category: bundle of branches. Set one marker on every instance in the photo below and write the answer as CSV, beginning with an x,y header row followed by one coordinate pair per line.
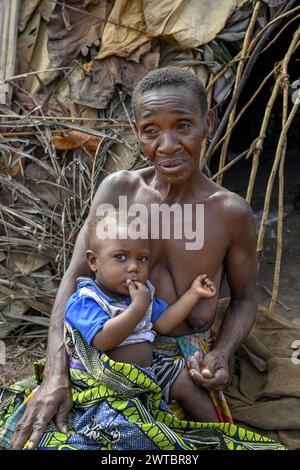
x,y
45,198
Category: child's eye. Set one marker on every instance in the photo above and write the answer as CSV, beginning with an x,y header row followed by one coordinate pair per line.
x,y
143,258
120,257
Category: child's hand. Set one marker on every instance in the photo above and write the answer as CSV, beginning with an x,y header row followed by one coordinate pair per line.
x,y
139,294
203,287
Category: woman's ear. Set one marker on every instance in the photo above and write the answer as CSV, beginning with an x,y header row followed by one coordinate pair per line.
x,y
91,259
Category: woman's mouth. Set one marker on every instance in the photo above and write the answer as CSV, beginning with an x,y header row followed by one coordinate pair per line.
x,y
171,166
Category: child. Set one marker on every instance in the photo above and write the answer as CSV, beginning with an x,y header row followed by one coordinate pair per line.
x,y
118,313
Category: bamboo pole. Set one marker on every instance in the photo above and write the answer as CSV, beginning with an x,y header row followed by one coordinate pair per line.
x,y
281,143
244,109
261,138
239,73
284,11
279,153
210,90
4,18
8,46
280,204
256,154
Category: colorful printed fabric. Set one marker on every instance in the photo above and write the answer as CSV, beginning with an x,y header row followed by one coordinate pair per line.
x,y
119,406
186,346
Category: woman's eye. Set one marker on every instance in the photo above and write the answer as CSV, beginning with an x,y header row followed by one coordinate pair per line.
x,y
150,130
183,125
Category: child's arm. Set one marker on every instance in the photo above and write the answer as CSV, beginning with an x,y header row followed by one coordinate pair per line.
x,y
201,288
117,329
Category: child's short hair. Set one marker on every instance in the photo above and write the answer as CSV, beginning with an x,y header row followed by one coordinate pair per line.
x,y
118,217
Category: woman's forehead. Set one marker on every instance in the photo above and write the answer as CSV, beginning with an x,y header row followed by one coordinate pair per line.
x,y
177,100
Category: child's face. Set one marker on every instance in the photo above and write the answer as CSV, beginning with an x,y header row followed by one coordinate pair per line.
x,y
116,261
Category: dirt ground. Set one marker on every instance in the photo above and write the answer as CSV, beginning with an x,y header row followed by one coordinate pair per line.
x,y
21,354
19,359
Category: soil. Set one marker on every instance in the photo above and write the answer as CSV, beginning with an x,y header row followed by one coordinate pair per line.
x,y
19,359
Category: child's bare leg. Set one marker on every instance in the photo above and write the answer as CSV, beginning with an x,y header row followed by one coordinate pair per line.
x,y
193,398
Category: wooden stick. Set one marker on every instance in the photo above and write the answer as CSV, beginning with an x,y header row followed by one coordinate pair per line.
x,y
278,301
4,12
244,109
280,202
261,137
12,10
209,102
231,164
237,80
280,145
64,118
257,49
262,134
13,296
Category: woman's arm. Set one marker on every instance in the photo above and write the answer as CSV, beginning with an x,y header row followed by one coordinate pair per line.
x,y
53,397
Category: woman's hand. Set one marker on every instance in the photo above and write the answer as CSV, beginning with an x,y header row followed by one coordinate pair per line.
x,y
212,373
52,400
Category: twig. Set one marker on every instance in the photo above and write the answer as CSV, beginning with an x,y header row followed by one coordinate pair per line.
x,y
280,203
105,20
32,346
280,146
237,80
278,301
247,71
13,296
35,72
262,134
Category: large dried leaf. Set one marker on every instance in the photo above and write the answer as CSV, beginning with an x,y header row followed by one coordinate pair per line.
x,y
120,157
27,264
71,32
128,32
27,7
32,53
51,106
190,23
38,180
76,140
108,73
26,10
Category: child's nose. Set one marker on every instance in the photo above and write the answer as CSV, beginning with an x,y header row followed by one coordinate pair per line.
x,y
132,267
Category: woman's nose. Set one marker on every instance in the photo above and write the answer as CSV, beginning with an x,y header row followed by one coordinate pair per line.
x,y
168,143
